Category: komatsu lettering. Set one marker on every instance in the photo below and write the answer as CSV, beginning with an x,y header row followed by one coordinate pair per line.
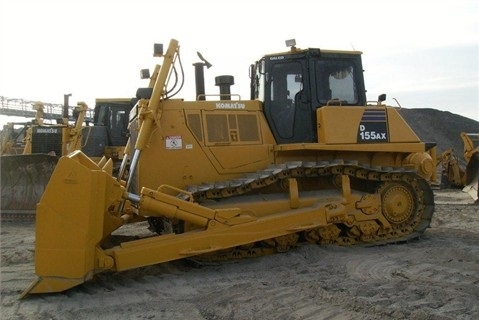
x,y
228,105
47,130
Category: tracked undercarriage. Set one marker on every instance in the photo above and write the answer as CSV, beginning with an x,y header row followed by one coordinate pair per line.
x,y
395,205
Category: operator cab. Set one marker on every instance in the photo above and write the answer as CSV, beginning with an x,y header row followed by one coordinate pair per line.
x,y
292,85
113,115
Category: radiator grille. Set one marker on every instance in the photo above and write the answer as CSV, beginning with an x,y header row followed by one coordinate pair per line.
x,y
47,139
217,125
248,127
194,122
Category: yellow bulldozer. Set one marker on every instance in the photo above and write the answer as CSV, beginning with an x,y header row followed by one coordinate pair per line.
x,y
306,159
24,175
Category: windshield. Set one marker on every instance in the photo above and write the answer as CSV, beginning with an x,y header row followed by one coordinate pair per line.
x,y
335,79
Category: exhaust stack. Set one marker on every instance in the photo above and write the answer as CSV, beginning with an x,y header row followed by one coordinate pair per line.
x,y
66,106
200,76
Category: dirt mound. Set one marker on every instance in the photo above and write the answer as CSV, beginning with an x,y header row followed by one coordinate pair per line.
x,y
442,127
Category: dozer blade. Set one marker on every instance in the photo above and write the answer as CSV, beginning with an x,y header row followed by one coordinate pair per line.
x,y
71,220
23,181
472,177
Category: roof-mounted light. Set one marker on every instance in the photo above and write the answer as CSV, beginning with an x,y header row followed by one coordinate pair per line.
x,y
291,43
158,50
145,74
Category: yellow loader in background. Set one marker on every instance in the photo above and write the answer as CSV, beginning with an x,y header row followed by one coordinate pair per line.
x,y
471,155
455,175
306,159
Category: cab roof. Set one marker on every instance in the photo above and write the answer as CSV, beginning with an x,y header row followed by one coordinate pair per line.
x,y
295,50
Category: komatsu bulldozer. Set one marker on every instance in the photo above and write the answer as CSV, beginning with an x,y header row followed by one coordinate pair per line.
x,y
306,159
24,176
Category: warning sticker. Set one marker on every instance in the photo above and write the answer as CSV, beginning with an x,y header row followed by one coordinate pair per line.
x,y
174,142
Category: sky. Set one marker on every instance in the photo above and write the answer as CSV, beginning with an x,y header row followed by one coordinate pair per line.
x,y
422,53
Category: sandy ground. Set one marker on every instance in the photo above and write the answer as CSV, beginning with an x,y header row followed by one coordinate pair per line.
x,y
435,277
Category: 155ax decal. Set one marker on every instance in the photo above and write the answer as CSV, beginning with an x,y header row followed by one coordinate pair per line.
x,y
373,127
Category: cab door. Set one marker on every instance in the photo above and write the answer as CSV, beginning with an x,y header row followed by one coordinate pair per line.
x,y
287,103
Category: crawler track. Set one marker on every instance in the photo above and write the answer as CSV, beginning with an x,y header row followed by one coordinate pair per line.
x,y
407,203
